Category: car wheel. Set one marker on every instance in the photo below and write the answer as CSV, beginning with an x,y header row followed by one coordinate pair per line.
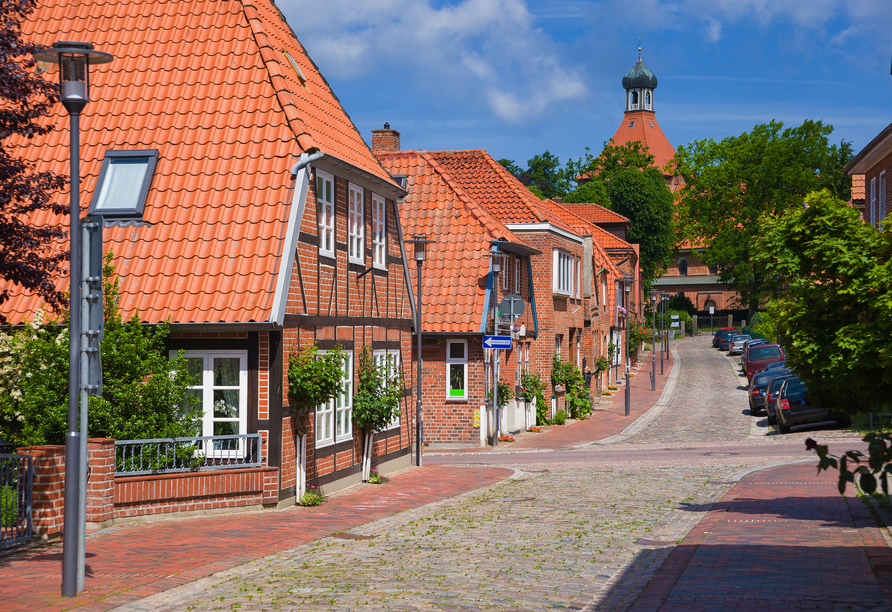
x,y
844,422
784,429
772,420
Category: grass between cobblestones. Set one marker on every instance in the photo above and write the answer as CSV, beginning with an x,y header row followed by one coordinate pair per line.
x,y
550,540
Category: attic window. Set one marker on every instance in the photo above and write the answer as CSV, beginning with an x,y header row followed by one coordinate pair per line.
x,y
124,182
631,124
296,68
651,123
400,180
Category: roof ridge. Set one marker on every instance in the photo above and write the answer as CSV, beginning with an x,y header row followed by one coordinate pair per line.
x,y
598,206
493,225
514,183
286,101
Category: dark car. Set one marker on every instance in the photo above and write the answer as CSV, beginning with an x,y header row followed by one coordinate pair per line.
x,y
757,357
774,385
777,365
725,338
794,408
759,387
747,346
715,337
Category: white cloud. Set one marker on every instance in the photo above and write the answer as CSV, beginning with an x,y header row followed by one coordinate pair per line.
x,y
486,50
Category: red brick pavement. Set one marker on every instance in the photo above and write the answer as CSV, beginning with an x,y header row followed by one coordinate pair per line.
x,y
124,565
600,424
782,539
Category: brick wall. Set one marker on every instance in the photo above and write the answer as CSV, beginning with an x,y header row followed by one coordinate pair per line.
x,y
110,498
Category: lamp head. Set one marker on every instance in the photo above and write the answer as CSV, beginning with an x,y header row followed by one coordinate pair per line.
x,y
74,59
420,242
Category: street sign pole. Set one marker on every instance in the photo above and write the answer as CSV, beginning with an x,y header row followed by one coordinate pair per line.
x,y
495,356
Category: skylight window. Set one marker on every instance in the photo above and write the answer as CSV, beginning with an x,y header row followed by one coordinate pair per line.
x,y
297,71
124,182
631,124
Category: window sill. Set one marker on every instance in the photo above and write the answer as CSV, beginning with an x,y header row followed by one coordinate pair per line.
x,y
329,254
456,400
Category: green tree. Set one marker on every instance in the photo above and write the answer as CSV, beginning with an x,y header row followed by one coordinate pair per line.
x,y
612,159
592,191
680,301
377,400
730,184
643,197
145,394
835,312
544,175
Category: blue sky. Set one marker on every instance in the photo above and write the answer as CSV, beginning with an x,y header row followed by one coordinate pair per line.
x,y
517,77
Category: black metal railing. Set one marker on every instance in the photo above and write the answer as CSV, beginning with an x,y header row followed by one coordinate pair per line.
x,y
16,482
169,455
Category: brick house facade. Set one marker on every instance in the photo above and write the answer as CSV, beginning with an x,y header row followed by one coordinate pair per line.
x,y
235,245
874,164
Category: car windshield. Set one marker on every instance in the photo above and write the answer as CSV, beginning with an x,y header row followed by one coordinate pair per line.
x,y
794,389
741,338
764,352
776,383
760,380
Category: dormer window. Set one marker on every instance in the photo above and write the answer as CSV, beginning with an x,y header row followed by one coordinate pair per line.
x,y
124,182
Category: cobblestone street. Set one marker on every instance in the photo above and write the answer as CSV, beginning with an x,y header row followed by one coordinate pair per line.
x,y
669,515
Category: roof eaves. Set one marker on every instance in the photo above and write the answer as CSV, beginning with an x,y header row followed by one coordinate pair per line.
x,y
882,143
332,163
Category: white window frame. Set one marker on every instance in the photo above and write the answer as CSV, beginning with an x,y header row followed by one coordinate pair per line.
x,y
450,361
379,232
355,223
562,273
207,387
577,276
325,211
518,270
881,198
505,270
380,357
334,418
873,201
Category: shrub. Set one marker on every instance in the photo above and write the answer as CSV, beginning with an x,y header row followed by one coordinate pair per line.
x,y
9,511
560,418
312,497
533,387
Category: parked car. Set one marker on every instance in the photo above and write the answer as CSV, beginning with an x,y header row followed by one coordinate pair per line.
x,y
759,389
737,343
794,408
746,345
774,385
715,336
757,357
777,365
725,338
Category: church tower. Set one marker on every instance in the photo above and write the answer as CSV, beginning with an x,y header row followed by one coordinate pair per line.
x,y
640,122
639,84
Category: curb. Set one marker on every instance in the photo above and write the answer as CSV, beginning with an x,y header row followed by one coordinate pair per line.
x,y
661,404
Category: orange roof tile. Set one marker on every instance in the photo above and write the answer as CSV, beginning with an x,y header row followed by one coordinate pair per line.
x,y
595,213
643,127
208,85
487,182
586,228
462,228
858,187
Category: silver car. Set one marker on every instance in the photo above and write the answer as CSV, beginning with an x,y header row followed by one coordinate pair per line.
x,y
737,342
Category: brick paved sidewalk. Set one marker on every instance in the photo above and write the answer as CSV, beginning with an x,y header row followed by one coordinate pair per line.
x,y
607,421
782,539
124,565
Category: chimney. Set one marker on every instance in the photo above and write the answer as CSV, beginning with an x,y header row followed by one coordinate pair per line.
x,y
386,140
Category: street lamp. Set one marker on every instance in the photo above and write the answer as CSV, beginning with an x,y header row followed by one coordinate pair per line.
x,y
420,242
627,288
74,59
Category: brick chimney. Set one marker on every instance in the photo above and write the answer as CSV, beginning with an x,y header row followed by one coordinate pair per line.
x,y
386,140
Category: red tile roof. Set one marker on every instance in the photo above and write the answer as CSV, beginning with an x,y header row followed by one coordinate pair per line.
x,y
503,196
643,127
208,85
585,228
462,228
595,213
858,187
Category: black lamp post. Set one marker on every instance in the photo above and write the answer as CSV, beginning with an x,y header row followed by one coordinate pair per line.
x,y
627,289
74,59
420,243
496,256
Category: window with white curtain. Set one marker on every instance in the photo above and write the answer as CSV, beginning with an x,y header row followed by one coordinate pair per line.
x,y
356,218
379,235
334,418
221,388
325,210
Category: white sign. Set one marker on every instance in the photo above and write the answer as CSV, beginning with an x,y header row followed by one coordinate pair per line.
x,y
673,317
712,310
674,324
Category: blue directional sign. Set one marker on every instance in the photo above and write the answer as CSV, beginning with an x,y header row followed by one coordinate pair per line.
x,y
497,342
